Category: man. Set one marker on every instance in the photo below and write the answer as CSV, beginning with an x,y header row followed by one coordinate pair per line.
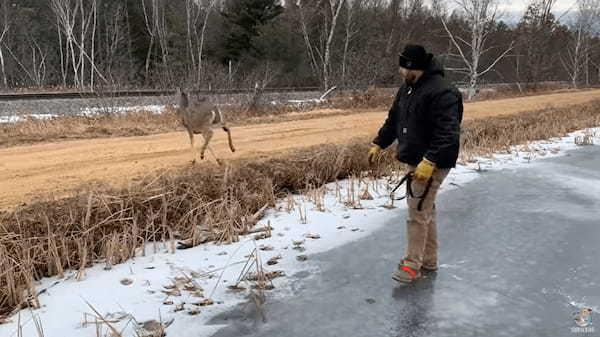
x,y
425,119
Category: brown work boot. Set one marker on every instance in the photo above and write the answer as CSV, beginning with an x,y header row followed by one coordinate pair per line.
x,y
406,274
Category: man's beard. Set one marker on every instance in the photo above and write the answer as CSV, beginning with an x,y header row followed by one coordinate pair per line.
x,y
410,79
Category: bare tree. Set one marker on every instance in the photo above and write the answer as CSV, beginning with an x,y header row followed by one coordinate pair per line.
x,y
536,42
4,28
156,25
115,37
36,72
192,13
151,31
38,63
310,50
351,29
330,13
438,8
595,58
69,14
94,23
208,10
63,61
576,59
195,9
400,15
65,15
480,16
161,29
262,76
335,6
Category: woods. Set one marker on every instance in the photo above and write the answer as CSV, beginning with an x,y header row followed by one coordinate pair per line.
x,y
220,44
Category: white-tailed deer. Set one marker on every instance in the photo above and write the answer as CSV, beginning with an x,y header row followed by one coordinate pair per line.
x,y
201,118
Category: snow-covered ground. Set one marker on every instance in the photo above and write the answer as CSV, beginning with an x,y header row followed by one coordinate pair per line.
x,y
156,109
170,287
18,118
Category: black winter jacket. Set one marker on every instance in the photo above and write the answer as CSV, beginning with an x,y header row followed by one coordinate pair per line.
x,y
425,119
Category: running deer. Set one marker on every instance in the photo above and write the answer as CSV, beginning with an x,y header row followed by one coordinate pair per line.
x,y
201,118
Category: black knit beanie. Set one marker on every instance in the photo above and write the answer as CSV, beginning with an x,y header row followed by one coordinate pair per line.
x,y
415,57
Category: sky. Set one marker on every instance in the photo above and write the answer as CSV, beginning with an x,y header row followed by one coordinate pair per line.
x,y
513,10
519,5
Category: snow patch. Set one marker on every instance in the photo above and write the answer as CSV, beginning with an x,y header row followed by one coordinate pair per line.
x,y
18,118
155,109
89,112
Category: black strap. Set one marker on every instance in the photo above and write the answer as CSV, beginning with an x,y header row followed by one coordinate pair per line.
x,y
402,181
408,179
427,188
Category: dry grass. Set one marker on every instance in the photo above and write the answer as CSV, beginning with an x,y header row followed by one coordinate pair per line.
x,y
512,90
496,134
370,98
586,139
136,123
212,203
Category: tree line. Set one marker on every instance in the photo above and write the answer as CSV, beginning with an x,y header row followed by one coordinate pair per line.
x,y
219,44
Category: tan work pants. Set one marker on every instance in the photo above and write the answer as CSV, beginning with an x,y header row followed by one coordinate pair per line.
x,y
421,227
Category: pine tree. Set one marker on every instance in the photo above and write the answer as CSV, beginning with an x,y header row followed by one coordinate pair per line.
x,y
244,18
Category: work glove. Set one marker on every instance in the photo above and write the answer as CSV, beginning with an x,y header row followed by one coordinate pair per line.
x,y
373,151
424,170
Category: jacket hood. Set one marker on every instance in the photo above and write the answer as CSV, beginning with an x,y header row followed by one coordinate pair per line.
x,y
435,68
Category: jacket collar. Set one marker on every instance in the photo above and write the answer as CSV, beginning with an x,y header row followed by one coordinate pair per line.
x,y
435,68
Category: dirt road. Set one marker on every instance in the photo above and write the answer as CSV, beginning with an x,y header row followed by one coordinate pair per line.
x,y
55,169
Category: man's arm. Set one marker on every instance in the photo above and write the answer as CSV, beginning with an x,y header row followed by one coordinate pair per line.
x,y
446,113
387,133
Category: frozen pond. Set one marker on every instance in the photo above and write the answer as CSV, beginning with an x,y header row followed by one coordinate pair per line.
x,y
519,256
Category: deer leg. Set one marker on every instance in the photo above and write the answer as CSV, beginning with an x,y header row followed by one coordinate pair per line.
x,y
213,154
191,135
226,129
207,137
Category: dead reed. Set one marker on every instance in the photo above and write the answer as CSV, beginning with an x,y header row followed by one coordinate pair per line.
x,y
212,203
525,89
136,123
483,136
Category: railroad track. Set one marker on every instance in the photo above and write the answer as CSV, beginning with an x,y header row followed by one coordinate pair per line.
x,y
135,93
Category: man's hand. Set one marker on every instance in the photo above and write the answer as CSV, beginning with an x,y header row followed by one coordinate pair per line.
x,y
373,151
424,170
